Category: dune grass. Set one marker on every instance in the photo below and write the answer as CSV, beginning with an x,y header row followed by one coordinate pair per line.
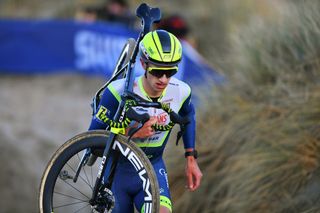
x,y
259,135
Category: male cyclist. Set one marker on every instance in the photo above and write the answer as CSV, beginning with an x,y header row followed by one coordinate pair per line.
x,y
160,54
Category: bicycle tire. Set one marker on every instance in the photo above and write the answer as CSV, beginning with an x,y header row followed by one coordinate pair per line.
x,y
49,187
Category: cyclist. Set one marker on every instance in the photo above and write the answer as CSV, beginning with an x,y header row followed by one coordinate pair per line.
x,y
160,54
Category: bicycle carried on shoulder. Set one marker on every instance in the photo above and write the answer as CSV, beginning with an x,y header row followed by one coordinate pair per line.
x,y
74,179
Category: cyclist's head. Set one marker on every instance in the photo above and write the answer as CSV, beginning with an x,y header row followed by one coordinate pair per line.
x,y
160,48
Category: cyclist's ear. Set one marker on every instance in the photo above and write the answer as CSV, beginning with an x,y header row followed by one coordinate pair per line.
x,y
143,64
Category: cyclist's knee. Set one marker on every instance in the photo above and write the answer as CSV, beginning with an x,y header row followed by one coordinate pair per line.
x,y
165,204
164,209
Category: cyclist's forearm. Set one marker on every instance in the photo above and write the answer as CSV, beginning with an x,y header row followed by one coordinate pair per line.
x,y
190,129
188,110
189,134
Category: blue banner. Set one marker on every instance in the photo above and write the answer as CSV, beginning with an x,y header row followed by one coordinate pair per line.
x,y
51,46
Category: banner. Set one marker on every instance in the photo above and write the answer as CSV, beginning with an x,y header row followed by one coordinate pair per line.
x,y
53,46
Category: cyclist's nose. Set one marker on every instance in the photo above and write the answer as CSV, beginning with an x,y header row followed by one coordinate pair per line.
x,y
163,78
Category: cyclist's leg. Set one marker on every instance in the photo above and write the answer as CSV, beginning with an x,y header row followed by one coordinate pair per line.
x,y
121,190
165,198
125,183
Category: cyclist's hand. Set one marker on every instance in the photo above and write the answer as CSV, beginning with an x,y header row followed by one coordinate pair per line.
x,y
193,174
146,130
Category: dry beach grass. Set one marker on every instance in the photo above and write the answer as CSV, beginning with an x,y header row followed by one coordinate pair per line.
x,y
260,136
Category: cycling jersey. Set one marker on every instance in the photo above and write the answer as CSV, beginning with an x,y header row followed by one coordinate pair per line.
x,y
178,95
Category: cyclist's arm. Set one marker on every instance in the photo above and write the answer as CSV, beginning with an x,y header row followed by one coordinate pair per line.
x,y
192,170
108,106
187,109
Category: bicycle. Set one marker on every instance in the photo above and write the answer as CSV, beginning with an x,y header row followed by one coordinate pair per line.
x,y
66,184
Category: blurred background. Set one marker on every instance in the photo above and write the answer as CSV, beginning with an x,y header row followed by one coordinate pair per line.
x,y
258,130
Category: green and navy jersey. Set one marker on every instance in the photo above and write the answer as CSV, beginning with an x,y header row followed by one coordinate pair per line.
x,y
177,94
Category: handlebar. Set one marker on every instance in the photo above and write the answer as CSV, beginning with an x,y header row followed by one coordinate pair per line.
x,y
135,100
174,117
132,100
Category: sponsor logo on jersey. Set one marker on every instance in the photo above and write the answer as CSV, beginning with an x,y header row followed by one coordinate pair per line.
x,y
173,84
161,190
162,118
102,113
163,172
149,139
140,109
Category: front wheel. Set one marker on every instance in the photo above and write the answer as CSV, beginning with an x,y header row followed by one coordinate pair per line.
x,y
58,191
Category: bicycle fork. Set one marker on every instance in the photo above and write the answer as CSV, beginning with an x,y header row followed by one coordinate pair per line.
x,y
98,186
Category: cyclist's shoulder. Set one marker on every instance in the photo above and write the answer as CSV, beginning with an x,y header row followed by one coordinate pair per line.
x,y
117,85
179,85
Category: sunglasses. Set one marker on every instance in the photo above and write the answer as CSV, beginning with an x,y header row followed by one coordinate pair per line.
x,y
160,71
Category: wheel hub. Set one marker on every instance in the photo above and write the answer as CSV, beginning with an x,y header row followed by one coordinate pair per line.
x,y
104,202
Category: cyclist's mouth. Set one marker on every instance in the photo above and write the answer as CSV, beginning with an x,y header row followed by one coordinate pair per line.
x,y
160,85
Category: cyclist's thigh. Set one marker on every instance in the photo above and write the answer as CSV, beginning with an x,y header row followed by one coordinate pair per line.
x,y
122,188
165,198
125,184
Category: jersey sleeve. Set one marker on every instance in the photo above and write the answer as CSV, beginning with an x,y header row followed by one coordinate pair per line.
x,y
187,109
107,107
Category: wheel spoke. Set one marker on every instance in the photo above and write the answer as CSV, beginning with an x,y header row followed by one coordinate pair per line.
x,y
91,175
75,189
79,176
69,204
85,173
69,196
82,208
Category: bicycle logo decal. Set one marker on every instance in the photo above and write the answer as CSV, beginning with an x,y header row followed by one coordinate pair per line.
x,y
163,172
135,161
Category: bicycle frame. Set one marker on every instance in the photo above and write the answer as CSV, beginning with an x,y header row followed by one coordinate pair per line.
x,y
149,16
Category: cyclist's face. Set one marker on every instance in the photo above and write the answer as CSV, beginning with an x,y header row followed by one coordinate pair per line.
x,y
157,84
159,77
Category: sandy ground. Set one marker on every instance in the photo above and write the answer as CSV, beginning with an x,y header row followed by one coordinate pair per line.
x,y
37,114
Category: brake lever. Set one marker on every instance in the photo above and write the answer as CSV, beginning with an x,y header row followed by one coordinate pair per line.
x,y
133,115
141,118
